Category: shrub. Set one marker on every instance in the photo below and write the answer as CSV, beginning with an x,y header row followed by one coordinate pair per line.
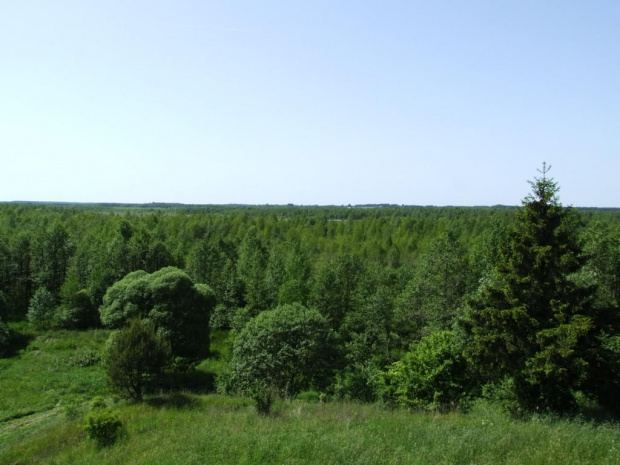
x,y
359,382
97,402
264,396
432,375
41,309
222,317
71,406
135,359
85,358
78,312
103,426
504,394
312,396
281,352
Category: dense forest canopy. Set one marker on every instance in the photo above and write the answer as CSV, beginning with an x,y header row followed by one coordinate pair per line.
x,y
398,287
69,247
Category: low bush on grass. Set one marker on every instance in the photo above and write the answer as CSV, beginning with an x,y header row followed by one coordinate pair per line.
x,y
102,424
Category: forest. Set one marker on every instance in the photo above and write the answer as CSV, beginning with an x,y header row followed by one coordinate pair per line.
x,y
403,308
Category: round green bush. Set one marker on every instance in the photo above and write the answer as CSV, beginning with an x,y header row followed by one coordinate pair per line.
x,y
281,352
103,426
432,375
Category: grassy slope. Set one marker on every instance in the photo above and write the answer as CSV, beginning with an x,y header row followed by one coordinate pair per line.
x,y
48,370
186,429
225,430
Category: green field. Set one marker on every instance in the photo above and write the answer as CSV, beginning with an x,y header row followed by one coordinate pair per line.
x,y
185,428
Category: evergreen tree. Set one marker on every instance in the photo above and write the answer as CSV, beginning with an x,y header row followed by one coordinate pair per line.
x,y
135,358
530,320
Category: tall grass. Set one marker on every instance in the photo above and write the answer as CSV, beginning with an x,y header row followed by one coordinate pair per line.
x,y
185,429
55,364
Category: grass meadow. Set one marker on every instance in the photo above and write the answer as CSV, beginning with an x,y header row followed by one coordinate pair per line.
x,y
189,428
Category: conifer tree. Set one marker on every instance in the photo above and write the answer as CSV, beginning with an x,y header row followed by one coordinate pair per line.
x,y
531,322
135,358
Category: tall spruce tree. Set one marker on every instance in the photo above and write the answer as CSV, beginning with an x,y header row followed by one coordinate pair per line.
x,y
531,323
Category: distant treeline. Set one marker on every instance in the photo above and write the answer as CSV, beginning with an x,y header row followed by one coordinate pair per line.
x,y
69,247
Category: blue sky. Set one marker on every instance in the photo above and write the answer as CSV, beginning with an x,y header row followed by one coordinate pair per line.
x,y
309,102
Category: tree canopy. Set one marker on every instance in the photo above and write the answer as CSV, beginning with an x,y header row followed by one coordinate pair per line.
x,y
170,300
287,349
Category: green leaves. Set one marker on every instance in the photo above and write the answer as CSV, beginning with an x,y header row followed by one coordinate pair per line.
x,y
287,349
436,292
177,307
42,308
103,425
432,375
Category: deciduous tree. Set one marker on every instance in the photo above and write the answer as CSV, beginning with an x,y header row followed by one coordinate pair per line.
x,y
177,307
287,349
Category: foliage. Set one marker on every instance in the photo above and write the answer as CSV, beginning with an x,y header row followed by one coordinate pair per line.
x,y
168,298
371,334
51,252
359,381
436,292
251,268
531,320
103,426
97,402
382,276
67,248
602,247
5,338
42,308
284,351
603,379
135,358
78,312
71,407
334,290
297,282
213,263
433,375
84,357
264,396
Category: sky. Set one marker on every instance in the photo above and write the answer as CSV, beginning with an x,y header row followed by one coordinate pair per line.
x,y
331,102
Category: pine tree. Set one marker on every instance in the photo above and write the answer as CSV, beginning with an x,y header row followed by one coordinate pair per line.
x,y
135,358
531,322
